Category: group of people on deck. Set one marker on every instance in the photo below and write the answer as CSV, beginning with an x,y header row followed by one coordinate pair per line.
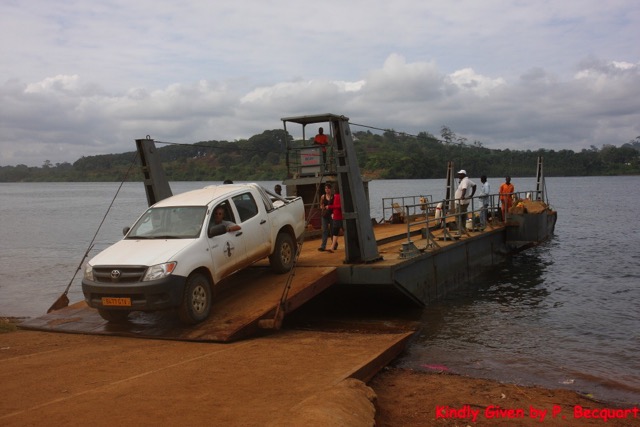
x,y
331,211
466,190
331,207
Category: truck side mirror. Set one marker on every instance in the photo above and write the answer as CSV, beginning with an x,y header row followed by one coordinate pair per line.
x,y
216,230
125,230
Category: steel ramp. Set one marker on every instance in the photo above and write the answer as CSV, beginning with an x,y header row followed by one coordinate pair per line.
x,y
245,298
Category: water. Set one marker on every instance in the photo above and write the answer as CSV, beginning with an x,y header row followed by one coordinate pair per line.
x,y
562,315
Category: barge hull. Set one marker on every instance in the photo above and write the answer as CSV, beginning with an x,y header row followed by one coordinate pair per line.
x,y
430,275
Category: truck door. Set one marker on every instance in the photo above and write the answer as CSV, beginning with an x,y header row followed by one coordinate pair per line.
x,y
255,226
228,252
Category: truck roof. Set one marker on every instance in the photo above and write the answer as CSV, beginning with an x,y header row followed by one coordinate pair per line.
x,y
203,196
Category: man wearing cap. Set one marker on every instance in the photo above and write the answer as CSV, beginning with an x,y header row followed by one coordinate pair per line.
x,y
465,191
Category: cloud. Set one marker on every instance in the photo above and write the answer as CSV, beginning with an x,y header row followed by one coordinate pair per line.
x,y
61,118
89,78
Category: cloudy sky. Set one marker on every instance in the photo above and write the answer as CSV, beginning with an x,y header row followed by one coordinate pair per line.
x,y
80,78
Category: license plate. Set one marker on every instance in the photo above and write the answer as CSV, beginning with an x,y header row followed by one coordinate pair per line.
x,y
117,302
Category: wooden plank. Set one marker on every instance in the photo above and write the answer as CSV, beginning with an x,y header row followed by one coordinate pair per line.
x,y
72,379
247,297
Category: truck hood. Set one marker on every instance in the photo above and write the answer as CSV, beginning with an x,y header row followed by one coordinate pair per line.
x,y
140,252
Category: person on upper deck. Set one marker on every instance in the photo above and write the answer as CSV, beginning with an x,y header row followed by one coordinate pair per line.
x,y
506,196
485,190
463,197
322,140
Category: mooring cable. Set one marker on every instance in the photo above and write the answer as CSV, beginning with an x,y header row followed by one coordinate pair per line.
x,y
63,300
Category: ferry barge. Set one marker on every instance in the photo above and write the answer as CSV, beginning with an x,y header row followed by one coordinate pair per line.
x,y
413,251
413,255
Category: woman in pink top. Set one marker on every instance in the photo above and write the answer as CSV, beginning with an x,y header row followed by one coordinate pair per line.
x,y
336,217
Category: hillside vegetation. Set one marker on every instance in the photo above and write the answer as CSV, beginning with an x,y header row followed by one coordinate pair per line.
x,y
389,155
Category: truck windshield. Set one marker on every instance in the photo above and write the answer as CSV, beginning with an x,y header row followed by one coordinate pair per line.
x,y
183,222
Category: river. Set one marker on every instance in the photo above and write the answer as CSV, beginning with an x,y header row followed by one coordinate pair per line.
x,y
562,315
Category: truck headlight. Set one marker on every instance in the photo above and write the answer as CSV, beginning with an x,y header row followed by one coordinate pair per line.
x,y
88,272
159,271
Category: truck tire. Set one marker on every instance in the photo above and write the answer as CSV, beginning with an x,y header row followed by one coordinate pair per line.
x,y
283,256
113,316
196,301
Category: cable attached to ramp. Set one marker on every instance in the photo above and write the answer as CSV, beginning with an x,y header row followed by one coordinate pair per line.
x,y
276,321
63,300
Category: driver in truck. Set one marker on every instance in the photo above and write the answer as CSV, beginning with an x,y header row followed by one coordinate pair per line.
x,y
218,218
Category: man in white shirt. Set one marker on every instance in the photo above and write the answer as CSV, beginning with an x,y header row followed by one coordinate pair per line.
x,y
485,190
465,191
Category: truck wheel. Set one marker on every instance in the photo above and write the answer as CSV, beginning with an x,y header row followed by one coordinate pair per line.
x,y
196,302
113,316
282,257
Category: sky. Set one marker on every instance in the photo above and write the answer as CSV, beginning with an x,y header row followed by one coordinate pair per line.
x,y
82,78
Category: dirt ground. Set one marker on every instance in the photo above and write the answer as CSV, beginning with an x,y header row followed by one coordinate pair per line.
x,y
289,378
400,397
408,398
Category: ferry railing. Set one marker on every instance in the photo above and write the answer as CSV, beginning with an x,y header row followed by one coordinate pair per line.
x,y
307,160
477,209
430,222
422,215
409,249
400,209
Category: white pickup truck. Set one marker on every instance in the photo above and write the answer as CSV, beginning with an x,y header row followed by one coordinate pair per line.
x,y
175,253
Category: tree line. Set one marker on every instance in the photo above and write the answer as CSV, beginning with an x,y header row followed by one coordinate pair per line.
x,y
386,155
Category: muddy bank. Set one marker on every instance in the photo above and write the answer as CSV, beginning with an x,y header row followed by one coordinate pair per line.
x,y
411,399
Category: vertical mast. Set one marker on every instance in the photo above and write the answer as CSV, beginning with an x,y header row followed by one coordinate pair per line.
x,y
155,182
540,184
360,242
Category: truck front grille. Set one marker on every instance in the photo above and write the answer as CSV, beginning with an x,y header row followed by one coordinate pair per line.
x,y
109,274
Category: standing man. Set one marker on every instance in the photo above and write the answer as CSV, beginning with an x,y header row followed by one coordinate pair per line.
x,y
322,140
506,196
485,190
465,191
